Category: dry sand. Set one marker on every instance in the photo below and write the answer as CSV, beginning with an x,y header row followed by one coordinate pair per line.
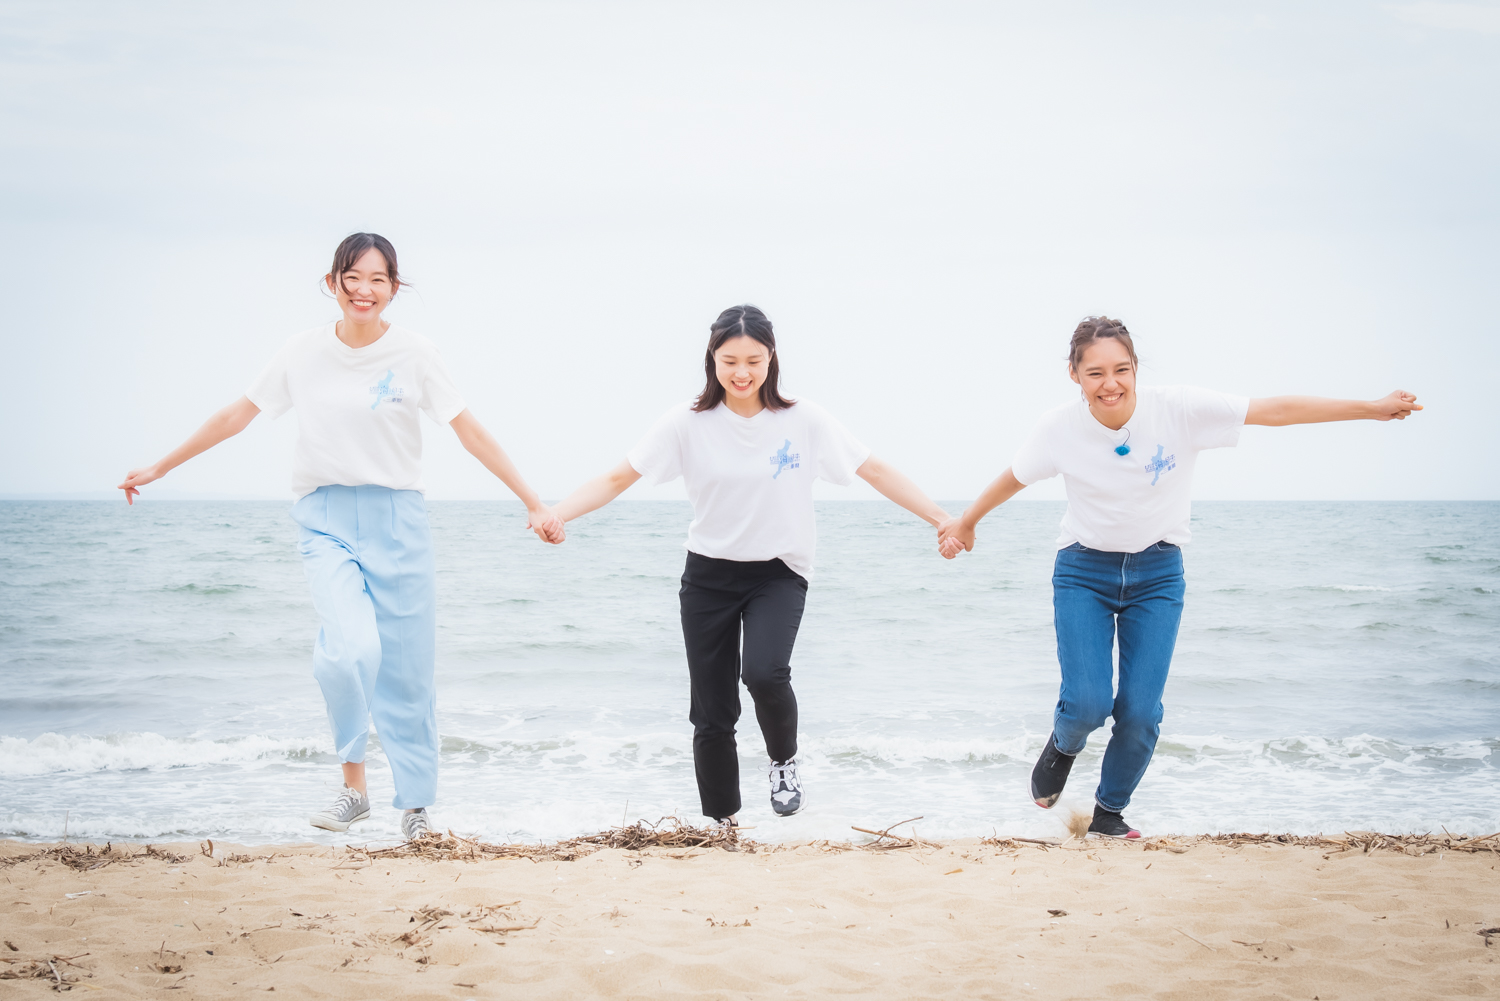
x,y
970,920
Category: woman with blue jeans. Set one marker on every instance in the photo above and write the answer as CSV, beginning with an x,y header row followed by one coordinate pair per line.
x,y
1126,455
359,385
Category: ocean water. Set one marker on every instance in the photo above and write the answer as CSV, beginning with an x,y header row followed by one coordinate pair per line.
x,y
1338,669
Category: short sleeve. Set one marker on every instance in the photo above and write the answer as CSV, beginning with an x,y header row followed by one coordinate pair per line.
x,y
440,397
271,391
658,456
840,454
1213,419
1036,460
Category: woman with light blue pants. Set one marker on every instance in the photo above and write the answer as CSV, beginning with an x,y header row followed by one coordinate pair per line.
x,y
358,385
1126,455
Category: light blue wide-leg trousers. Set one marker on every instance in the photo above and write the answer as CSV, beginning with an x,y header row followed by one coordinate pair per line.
x,y
368,555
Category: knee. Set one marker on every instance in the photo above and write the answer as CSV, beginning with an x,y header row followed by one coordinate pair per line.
x,y
1087,712
1134,716
767,681
341,654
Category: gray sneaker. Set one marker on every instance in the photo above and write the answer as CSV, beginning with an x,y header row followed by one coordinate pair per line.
x,y
350,808
414,825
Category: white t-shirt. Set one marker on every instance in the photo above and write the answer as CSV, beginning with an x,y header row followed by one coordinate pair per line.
x,y
750,479
1124,503
357,407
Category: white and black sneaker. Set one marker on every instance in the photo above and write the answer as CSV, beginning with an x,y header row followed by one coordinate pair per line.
x,y
415,825
786,788
351,807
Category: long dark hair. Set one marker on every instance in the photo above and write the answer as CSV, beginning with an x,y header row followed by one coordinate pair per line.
x,y
354,247
1096,328
741,321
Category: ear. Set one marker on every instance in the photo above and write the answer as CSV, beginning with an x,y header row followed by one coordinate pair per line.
x,y
1073,373
328,280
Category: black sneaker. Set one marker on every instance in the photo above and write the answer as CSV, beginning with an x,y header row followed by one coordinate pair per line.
x,y
1050,774
1108,824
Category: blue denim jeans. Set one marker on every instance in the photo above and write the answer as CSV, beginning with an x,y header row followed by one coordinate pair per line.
x,y
1093,593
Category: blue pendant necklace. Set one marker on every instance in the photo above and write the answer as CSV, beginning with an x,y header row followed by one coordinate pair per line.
x,y
1124,447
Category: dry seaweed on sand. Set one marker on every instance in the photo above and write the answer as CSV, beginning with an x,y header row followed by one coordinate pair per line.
x,y
87,857
668,832
45,969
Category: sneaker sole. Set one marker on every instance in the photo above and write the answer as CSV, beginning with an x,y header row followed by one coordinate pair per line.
x,y
1132,836
329,824
800,807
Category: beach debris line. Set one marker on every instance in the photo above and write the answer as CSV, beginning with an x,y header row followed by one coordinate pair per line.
x,y
667,832
85,858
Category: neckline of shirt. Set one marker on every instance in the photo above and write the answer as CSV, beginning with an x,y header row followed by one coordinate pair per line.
x,y
342,348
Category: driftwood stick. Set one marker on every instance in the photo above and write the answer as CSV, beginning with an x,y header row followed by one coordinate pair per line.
x,y
887,832
1198,940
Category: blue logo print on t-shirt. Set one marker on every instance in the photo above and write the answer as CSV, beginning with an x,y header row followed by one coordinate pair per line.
x,y
384,391
785,459
1159,464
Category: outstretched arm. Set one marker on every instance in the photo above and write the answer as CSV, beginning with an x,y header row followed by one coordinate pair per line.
x,y
898,487
225,424
1279,411
959,532
483,446
597,492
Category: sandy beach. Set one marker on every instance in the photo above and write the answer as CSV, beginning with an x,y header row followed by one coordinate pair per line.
x,y
1171,918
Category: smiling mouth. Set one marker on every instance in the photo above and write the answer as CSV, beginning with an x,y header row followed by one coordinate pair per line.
x,y
740,385
362,303
1107,400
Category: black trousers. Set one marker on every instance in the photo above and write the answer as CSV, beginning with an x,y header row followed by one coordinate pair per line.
x,y
739,619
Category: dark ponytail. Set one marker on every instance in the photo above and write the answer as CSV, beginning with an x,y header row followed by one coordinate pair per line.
x,y
741,321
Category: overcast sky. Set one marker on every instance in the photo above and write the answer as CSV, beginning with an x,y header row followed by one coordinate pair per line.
x,y
924,197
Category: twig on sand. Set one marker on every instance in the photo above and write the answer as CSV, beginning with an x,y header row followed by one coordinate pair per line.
x,y
895,840
1196,939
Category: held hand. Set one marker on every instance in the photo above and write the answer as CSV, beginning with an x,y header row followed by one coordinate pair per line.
x,y
953,536
547,526
955,529
135,479
1397,406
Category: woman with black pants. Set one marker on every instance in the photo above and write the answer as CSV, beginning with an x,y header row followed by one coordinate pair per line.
x,y
748,457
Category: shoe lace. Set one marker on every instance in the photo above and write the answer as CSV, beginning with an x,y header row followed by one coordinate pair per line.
x,y
347,800
416,824
784,777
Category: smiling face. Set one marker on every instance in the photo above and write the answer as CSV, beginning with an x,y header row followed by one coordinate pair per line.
x,y
1106,374
742,364
365,289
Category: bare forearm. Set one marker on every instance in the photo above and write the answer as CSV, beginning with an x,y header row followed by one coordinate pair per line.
x,y
482,445
1004,487
1279,411
227,423
897,487
597,492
